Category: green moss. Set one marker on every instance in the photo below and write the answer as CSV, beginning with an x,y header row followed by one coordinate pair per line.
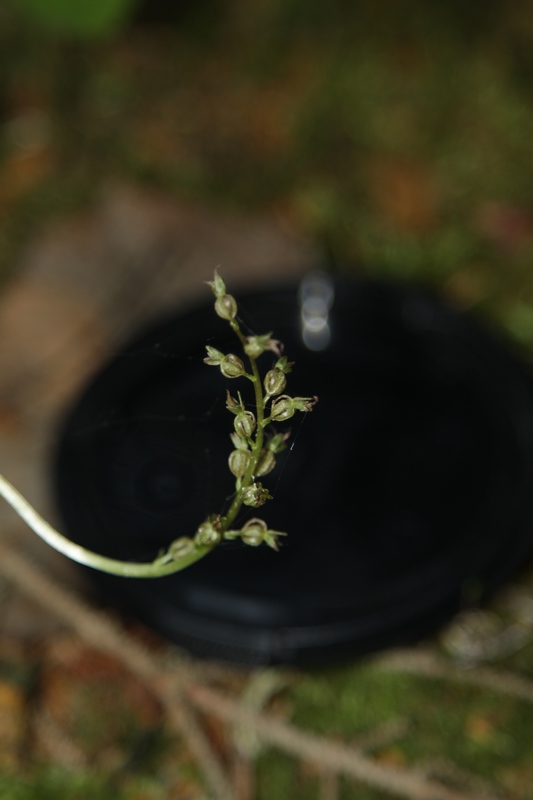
x,y
55,784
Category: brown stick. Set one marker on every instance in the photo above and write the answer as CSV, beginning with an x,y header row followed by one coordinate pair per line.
x,y
427,664
101,632
338,757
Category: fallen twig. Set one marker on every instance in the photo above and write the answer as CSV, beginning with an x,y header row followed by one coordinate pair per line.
x,y
333,756
97,629
427,664
105,635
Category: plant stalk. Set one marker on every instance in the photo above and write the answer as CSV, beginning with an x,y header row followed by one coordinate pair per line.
x,y
128,569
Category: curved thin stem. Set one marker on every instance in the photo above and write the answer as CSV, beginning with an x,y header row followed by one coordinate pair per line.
x,y
163,565
185,550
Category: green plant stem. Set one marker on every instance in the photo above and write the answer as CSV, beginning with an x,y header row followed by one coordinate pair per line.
x,y
235,506
155,569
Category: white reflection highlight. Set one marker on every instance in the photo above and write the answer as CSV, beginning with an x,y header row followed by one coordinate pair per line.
x,y
316,295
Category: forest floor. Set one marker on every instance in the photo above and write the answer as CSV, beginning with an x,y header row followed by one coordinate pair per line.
x,y
269,137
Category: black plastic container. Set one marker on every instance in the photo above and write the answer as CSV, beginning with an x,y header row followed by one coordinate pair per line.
x,y
407,494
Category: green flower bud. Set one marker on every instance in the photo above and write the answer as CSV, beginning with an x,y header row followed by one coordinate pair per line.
x,y
231,366
232,405
226,306
255,495
207,535
275,382
282,408
244,424
181,547
253,348
256,345
217,285
266,463
239,461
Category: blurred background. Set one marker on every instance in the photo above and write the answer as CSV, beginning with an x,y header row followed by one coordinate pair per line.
x,y
142,144
398,140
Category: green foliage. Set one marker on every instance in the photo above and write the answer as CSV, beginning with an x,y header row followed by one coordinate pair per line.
x,y
85,19
54,784
481,732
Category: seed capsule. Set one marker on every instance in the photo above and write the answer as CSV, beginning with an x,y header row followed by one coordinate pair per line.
x,y
231,366
266,463
253,533
253,536
226,306
244,424
239,461
282,408
275,382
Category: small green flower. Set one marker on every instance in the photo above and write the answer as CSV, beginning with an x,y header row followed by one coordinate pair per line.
x,y
214,356
271,538
232,404
276,443
304,403
255,532
257,345
284,407
284,365
217,285
207,535
255,495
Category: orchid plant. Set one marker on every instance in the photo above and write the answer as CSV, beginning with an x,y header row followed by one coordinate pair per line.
x,y
255,447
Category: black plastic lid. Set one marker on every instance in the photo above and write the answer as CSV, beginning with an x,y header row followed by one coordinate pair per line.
x,y
406,494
